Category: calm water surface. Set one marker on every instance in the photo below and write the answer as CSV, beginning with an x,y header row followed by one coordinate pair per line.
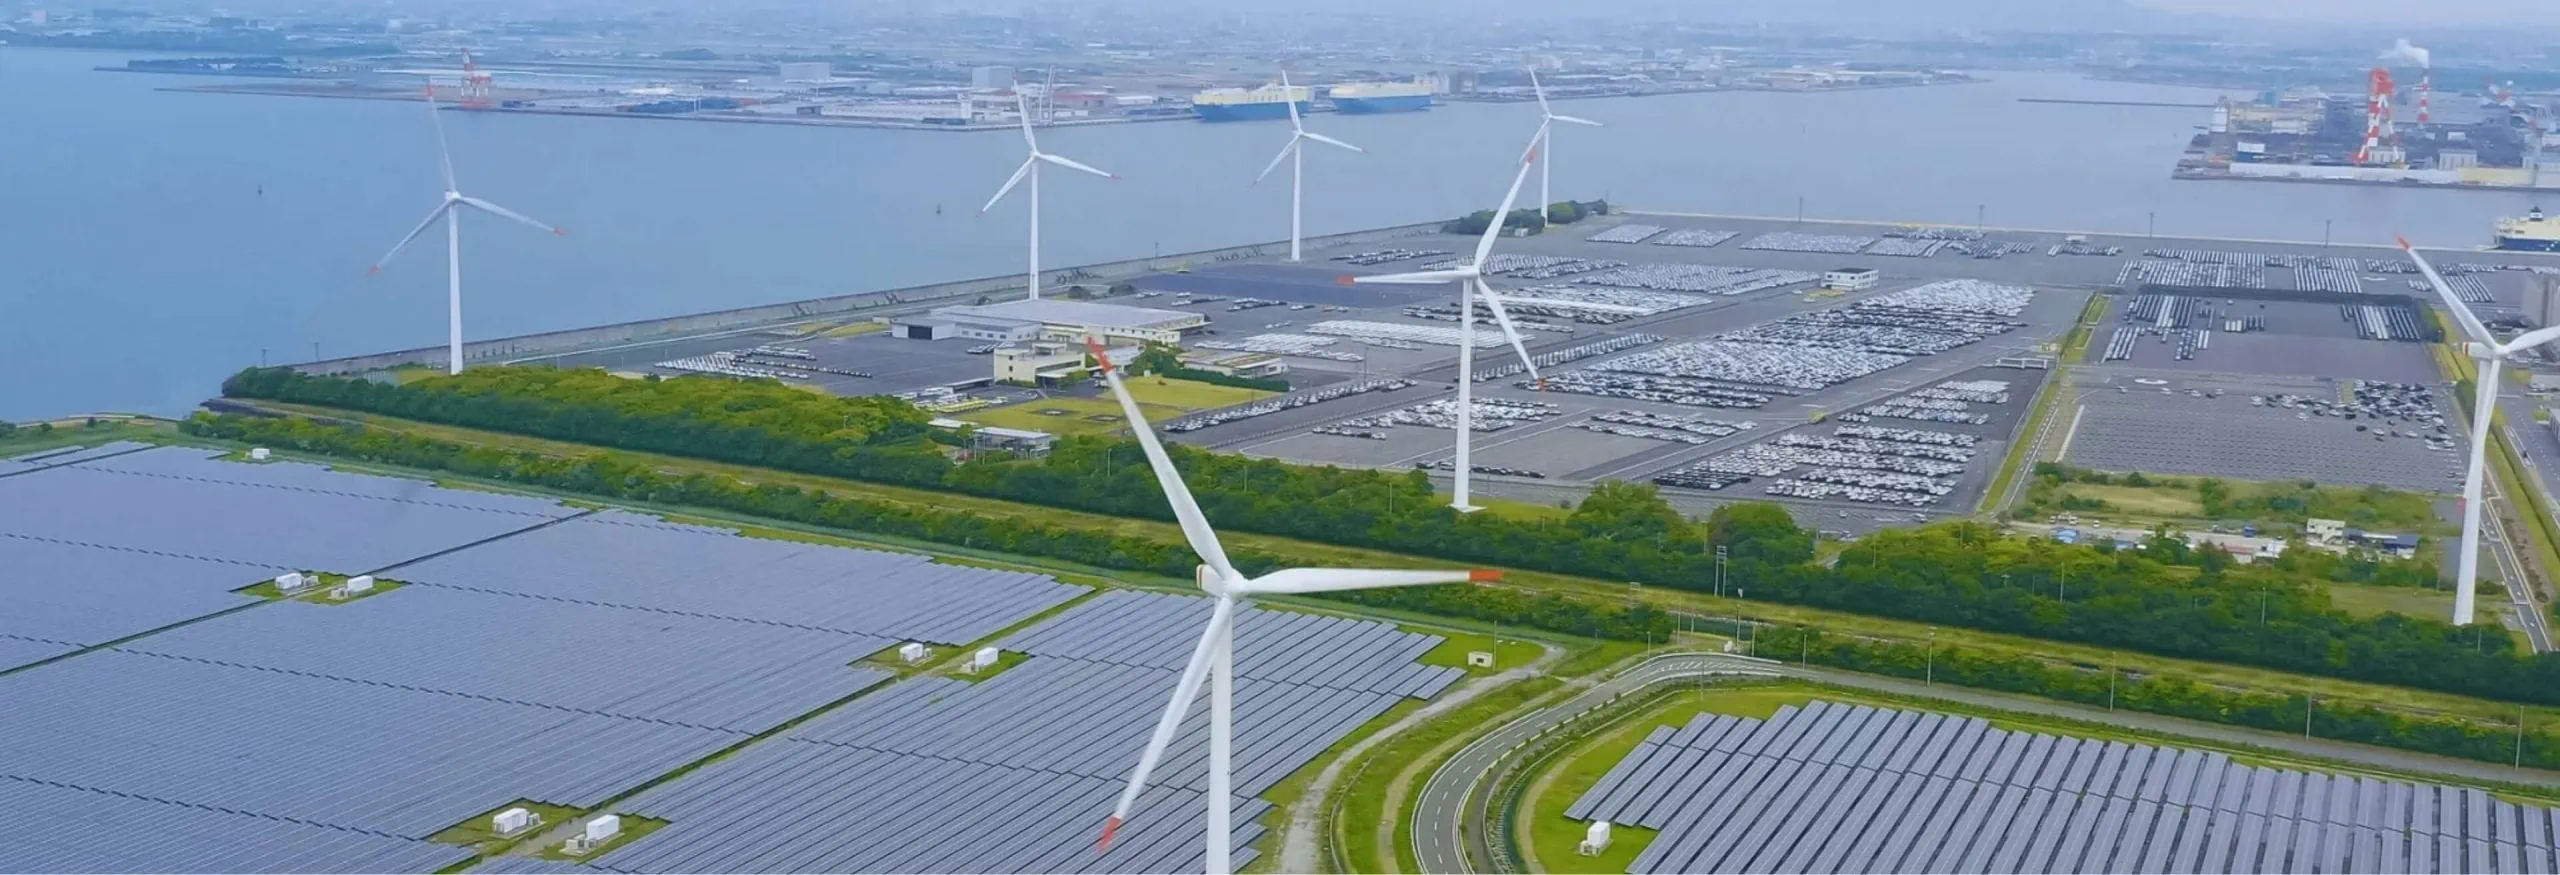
x,y
140,262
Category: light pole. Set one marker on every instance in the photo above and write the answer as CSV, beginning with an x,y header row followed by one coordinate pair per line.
x,y
2324,233
2151,224
1799,209
2306,715
1720,557
2111,682
1977,217
1929,670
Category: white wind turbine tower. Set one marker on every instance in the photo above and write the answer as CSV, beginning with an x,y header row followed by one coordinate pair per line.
x,y
1214,657
1298,135
1470,279
1547,119
2486,350
1031,168
451,212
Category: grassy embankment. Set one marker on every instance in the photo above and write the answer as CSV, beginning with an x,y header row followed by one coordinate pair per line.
x,y
1834,622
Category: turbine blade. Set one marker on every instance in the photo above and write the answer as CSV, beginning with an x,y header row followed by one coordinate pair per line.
x,y
1427,277
2530,339
1541,90
1195,525
1023,106
1509,332
2461,314
430,222
1276,159
1184,692
503,212
1572,120
1492,229
1072,165
1536,140
1329,141
1285,97
1018,174
444,153
1304,580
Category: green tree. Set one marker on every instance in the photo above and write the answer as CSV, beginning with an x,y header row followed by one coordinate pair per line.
x,y
1759,532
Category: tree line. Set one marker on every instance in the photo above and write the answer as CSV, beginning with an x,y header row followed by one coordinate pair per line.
x,y
623,477
2162,598
2441,734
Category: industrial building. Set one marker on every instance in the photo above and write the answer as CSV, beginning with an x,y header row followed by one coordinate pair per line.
x,y
1050,319
1050,363
1849,279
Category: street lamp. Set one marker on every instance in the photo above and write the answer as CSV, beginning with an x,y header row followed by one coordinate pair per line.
x,y
1929,671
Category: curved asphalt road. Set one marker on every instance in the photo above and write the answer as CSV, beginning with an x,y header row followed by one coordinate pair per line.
x,y
1437,842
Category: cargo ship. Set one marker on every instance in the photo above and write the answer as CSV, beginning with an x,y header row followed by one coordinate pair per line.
x,y
1370,97
1247,104
2532,233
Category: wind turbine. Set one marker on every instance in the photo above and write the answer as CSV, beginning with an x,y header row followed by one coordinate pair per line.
x,y
1214,657
1031,168
1547,119
1298,135
1470,280
451,212
2486,350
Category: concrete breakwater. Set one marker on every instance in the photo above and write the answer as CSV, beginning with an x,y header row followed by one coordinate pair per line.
x,y
839,307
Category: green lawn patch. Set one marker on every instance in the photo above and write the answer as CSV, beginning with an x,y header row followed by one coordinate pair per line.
x,y
1508,653
1005,659
2363,600
1364,791
633,827
482,837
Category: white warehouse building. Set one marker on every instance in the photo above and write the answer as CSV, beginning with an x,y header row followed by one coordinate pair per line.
x,y
1050,319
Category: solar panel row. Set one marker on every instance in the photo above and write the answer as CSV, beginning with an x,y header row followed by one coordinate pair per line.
x,y
62,829
84,595
391,760
1014,773
1158,630
1934,793
223,516
521,865
797,806
631,561
206,466
690,670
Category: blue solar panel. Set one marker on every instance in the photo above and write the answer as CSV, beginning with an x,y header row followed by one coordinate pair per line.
x,y
49,828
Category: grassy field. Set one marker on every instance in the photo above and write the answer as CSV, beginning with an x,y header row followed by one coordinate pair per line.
x,y
2365,601
2178,500
1606,591
480,836
1508,653
1159,398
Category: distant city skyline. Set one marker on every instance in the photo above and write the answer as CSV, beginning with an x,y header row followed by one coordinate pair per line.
x,y
2473,13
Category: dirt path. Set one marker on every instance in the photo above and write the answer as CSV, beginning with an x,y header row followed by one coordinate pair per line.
x,y
1306,825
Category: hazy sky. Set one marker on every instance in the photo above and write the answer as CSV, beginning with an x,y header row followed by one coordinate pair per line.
x,y
2412,12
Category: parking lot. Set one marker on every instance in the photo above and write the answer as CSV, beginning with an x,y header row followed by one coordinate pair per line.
x,y
2277,338
2166,424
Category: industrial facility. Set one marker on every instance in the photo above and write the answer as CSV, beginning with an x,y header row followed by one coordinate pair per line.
x,y
2396,132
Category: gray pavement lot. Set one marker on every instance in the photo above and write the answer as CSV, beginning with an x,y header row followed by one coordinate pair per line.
x,y
2141,429
2301,339
1313,282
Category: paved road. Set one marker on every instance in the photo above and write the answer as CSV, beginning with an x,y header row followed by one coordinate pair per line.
x,y
1444,805
1449,800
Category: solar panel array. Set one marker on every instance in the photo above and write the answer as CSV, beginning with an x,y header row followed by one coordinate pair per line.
x,y
62,829
1158,631
1015,772
532,657
1843,788
177,501
636,562
68,455
384,759
68,596
649,665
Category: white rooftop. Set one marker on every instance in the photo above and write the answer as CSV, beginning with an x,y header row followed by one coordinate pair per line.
x,y
1057,311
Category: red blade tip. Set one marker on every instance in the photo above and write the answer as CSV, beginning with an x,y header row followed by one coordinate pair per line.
x,y
1484,575
559,232
1103,360
2404,241
1345,280
373,270
1109,828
